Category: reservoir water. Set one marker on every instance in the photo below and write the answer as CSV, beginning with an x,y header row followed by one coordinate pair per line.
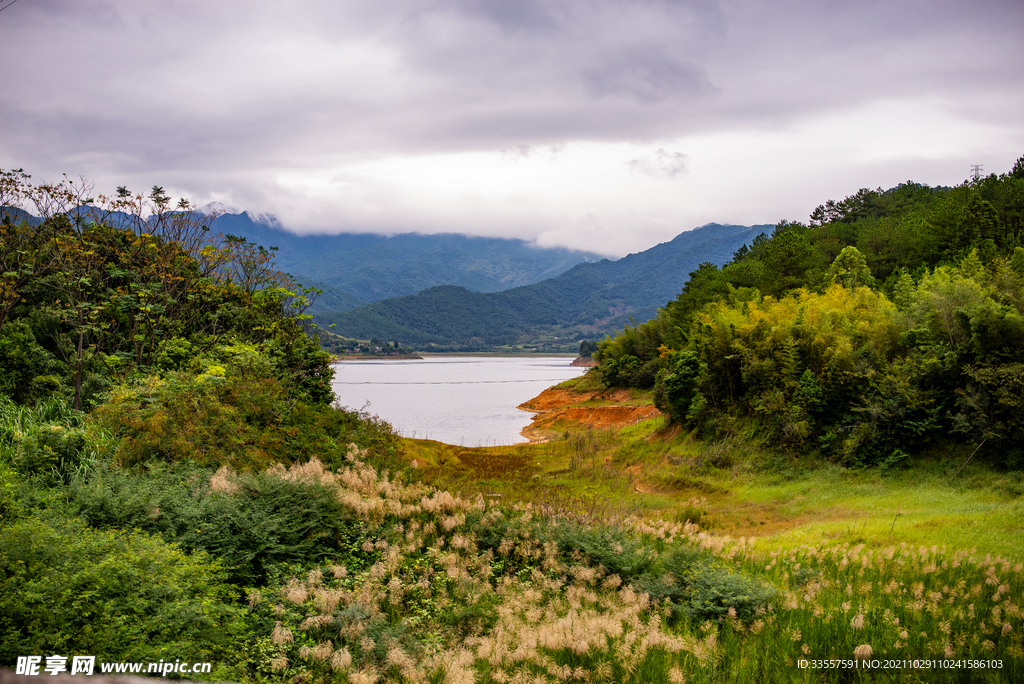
x,y
463,400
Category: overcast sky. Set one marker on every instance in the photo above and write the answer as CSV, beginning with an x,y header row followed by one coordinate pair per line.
x,y
610,125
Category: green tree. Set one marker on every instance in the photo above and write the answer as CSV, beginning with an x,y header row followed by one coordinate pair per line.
x,y
677,385
587,348
1017,172
788,261
850,269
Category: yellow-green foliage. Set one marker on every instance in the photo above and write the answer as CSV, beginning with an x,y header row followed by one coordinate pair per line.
x,y
839,334
847,371
826,364
782,359
238,412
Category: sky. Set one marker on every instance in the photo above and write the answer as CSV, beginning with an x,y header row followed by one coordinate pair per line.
x,y
606,125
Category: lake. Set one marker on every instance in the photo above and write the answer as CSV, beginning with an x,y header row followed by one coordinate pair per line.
x,y
463,400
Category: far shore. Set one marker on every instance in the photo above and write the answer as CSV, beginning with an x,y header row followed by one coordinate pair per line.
x,y
440,354
501,354
422,355
338,358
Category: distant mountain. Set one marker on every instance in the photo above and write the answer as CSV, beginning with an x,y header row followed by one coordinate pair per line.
x,y
589,300
16,215
368,268
331,298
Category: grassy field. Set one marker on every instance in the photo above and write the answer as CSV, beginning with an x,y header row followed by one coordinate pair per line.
x,y
739,491
920,563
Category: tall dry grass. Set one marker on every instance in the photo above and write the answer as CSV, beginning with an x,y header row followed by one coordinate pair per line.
x,y
462,591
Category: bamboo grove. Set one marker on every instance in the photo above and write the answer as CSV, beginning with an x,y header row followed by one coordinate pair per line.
x,y
892,320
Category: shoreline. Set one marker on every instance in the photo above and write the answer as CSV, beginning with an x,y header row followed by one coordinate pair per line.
x,y
341,358
555,408
566,355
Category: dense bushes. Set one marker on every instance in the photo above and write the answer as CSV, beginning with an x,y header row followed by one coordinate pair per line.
x,y
27,370
252,523
69,588
47,439
139,354
100,291
231,407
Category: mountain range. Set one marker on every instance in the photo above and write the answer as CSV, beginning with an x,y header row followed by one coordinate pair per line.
x,y
587,301
353,269
458,292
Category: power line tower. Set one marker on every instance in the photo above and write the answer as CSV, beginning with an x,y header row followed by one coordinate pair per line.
x,y
976,171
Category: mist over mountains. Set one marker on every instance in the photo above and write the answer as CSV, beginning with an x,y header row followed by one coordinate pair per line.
x,y
359,268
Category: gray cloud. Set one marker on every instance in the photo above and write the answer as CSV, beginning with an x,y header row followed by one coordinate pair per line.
x,y
232,97
647,75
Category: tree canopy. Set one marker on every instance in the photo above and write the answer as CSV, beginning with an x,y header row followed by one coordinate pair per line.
x,y
100,290
893,319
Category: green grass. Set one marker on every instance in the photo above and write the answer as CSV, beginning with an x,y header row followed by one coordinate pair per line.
x,y
919,507
916,563
746,491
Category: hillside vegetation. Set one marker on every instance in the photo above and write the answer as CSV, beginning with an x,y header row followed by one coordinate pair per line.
x,y
893,320
587,301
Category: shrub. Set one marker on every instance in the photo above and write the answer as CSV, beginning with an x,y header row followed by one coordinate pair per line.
x,y
51,449
262,522
47,439
619,552
27,370
711,590
235,417
700,586
68,588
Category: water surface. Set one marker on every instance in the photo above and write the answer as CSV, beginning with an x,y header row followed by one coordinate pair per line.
x,y
463,400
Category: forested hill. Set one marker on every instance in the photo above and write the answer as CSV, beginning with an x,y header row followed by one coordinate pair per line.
x,y
95,293
588,300
891,320
355,268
